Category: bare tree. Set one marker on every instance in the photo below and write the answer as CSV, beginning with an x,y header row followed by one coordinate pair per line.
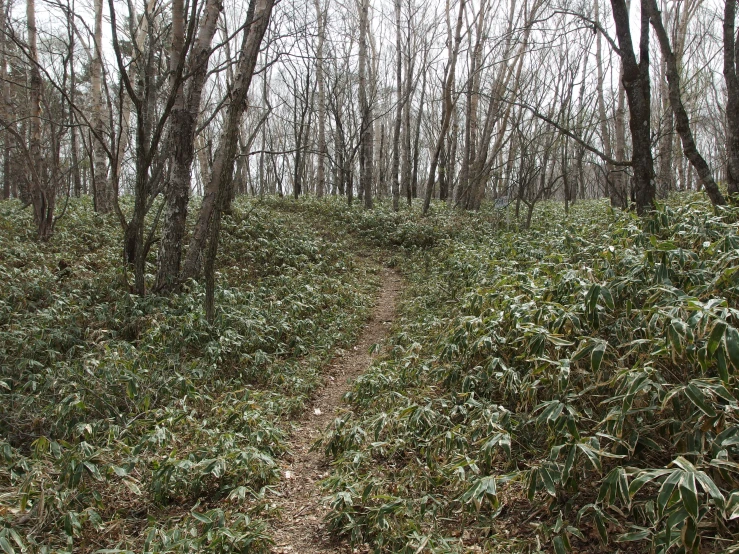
x,y
395,167
366,135
636,83
41,190
182,135
321,169
101,189
682,123
447,103
731,61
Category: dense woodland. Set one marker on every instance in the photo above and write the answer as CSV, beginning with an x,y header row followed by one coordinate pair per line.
x,y
198,196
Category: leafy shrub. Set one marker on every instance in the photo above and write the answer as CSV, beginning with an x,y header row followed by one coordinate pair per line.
x,y
131,422
580,376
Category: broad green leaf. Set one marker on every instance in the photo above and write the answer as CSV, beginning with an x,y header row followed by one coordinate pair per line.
x,y
569,463
592,455
559,546
731,340
689,494
697,397
645,477
548,481
203,518
607,298
592,297
710,487
6,546
639,535
666,490
714,339
602,530
133,487
596,356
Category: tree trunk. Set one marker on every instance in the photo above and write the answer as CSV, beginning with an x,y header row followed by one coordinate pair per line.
x,y
6,107
101,190
636,84
184,122
413,188
682,123
619,189
463,193
395,167
731,60
446,111
43,193
366,138
321,169
451,166
666,179
480,165
258,17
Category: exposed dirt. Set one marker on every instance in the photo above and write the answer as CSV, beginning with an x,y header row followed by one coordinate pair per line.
x,y
300,528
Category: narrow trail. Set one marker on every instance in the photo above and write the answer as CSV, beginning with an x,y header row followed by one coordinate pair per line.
x,y
300,528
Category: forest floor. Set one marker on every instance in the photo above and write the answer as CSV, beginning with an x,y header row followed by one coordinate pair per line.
x,y
301,527
533,391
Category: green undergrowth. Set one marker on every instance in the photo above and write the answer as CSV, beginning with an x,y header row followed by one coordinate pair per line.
x,y
131,424
572,387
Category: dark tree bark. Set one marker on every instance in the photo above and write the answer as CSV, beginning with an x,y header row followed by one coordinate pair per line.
x,y
636,83
184,117
731,69
682,123
42,191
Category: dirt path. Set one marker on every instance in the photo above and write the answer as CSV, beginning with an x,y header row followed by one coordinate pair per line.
x,y
301,529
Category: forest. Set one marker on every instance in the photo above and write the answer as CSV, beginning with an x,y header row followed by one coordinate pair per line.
x,y
388,276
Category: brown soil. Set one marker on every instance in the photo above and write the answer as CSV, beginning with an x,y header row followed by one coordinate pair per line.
x,y
300,528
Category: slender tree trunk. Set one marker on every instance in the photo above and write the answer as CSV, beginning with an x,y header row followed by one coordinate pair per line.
x,y
395,167
366,138
682,123
485,154
406,156
321,169
463,193
413,189
43,193
619,189
451,166
731,78
411,138
447,106
666,180
101,191
6,106
215,192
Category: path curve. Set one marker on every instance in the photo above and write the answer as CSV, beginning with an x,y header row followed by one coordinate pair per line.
x,y
300,528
